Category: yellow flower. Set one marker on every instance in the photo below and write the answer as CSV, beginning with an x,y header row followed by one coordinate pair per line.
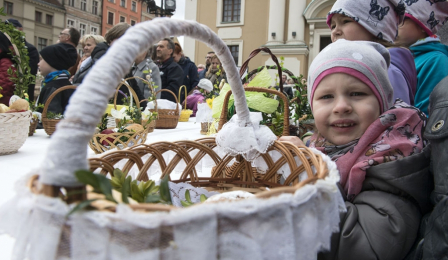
x,y
210,102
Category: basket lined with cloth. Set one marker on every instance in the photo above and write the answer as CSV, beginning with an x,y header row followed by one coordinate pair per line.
x,y
49,124
167,118
302,215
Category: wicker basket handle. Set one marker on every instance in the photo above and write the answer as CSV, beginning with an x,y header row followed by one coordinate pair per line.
x,y
150,87
123,82
223,117
50,98
180,91
274,58
172,93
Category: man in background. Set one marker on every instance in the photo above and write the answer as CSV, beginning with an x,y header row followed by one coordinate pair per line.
x,y
33,54
208,62
71,36
171,73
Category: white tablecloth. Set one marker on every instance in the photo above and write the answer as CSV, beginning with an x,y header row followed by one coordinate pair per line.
x,y
32,153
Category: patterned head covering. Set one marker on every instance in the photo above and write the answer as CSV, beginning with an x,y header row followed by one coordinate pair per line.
x,y
366,61
428,14
380,17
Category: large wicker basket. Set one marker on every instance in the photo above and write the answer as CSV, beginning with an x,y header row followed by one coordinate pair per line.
x,y
289,220
167,118
14,128
50,124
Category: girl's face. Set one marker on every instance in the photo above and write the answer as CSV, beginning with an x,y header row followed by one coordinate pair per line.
x,y
215,63
343,108
89,45
409,33
343,27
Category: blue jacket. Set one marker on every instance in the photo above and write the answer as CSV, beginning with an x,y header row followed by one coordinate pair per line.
x,y
431,61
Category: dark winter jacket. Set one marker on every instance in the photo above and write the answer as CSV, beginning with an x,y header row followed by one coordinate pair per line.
x,y
99,50
191,77
435,246
383,220
172,77
60,101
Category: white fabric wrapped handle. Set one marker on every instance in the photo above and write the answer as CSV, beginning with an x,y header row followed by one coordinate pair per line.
x,y
68,148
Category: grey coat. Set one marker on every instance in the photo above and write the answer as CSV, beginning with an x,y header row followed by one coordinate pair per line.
x,y
147,65
383,219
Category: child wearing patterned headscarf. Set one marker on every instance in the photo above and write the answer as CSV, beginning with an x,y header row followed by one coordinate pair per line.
x,y
377,146
423,19
377,21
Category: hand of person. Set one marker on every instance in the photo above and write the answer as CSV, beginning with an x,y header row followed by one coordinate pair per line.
x,y
292,139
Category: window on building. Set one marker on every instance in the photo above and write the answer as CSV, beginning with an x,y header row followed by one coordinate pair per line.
x,y
122,19
41,43
93,30
38,17
231,10
324,41
235,50
132,22
82,29
70,23
8,6
123,3
112,1
83,5
110,18
134,6
49,19
71,3
95,7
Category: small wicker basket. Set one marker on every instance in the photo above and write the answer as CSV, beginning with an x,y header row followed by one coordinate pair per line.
x,y
167,118
33,126
50,124
14,128
185,113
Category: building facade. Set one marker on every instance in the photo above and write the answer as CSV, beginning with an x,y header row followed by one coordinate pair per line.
x,y
84,15
42,20
117,11
292,29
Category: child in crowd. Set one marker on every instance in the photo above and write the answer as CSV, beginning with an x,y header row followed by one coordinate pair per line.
x,y
423,20
197,96
56,59
377,21
377,146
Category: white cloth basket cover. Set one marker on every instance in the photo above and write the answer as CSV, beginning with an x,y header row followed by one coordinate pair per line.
x,y
290,226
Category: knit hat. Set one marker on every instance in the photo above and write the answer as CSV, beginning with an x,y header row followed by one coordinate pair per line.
x,y
14,22
366,61
60,56
430,15
380,17
205,84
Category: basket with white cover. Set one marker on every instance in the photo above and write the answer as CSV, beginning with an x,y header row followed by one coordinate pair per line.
x,y
290,219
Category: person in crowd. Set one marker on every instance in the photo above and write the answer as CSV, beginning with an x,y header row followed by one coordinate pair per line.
x,y
88,43
197,96
71,36
33,54
171,73
56,59
144,66
6,62
284,79
377,146
100,49
423,20
216,71
208,62
377,21
201,67
191,77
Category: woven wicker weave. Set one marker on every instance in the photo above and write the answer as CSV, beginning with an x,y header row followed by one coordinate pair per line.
x,y
50,124
14,129
33,126
167,118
